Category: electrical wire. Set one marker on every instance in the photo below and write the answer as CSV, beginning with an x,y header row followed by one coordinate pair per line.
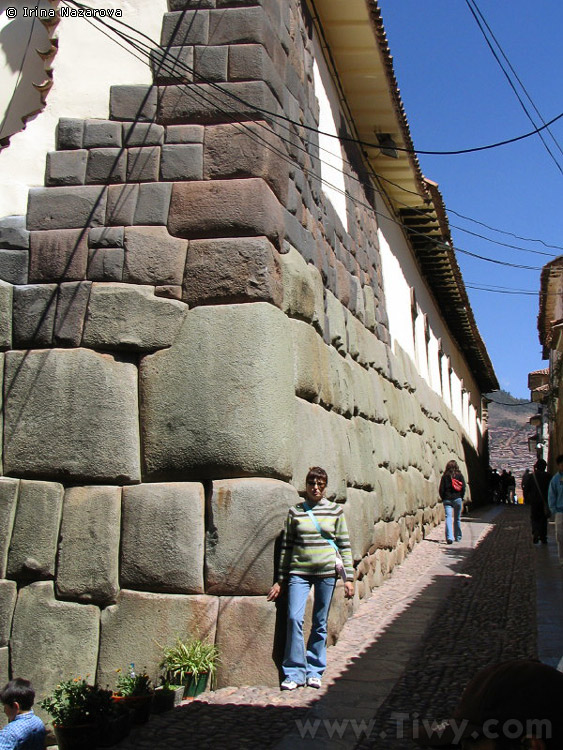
x,y
474,11
516,76
207,98
173,68
359,142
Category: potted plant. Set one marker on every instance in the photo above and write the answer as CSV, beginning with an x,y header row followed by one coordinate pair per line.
x,y
79,711
167,696
134,690
190,663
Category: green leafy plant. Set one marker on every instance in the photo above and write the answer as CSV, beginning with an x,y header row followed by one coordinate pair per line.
x,y
133,683
191,658
75,702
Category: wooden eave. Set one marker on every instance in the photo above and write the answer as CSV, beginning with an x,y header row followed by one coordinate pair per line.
x,y
363,66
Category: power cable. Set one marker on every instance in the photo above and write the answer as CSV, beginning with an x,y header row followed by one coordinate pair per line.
x,y
508,78
349,139
205,97
216,86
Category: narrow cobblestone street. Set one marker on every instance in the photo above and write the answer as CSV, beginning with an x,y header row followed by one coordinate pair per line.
x,y
406,654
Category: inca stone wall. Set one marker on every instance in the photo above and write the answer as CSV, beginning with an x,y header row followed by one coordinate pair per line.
x,y
186,328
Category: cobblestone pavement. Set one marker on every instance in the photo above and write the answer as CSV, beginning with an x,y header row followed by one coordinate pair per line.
x,y
405,655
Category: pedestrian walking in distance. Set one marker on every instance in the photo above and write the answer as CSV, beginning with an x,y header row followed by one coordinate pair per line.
x,y
535,489
555,499
452,491
315,551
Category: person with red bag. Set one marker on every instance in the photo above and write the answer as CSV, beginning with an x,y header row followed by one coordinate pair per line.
x,y
452,490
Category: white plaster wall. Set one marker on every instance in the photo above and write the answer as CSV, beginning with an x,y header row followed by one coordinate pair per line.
x,y
434,364
400,273
86,65
457,405
420,345
397,296
332,163
446,383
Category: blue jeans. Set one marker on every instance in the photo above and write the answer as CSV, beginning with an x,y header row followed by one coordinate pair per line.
x,y
298,663
453,519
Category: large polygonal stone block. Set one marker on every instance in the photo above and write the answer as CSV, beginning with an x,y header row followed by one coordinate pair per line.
x,y
33,549
106,165
88,562
182,161
245,269
72,414
152,256
66,167
133,103
311,362
6,298
225,208
122,316
71,311
336,322
298,286
219,402
8,503
14,266
143,163
211,63
102,134
246,519
58,255
8,596
153,204
185,28
360,511
249,62
66,207
162,543
321,440
13,233
35,307
121,205
137,627
246,631
53,640
202,103
252,151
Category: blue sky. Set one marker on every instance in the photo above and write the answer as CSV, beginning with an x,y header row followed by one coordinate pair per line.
x,y
455,97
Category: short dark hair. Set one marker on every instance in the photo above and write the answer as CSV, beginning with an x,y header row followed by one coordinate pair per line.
x,y
559,459
18,691
540,465
316,472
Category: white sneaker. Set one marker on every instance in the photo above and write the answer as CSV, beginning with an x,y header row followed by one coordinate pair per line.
x,y
288,684
314,682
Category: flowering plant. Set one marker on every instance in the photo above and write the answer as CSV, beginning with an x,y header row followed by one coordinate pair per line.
x,y
133,683
76,702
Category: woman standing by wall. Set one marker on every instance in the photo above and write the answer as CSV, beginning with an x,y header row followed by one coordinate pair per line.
x,y
315,550
452,490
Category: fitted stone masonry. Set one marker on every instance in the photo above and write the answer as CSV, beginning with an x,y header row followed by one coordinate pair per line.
x,y
186,328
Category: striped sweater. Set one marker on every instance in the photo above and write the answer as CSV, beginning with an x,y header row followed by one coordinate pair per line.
x,y
304,551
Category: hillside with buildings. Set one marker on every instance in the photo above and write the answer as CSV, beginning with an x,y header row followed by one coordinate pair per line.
x,y
509,429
